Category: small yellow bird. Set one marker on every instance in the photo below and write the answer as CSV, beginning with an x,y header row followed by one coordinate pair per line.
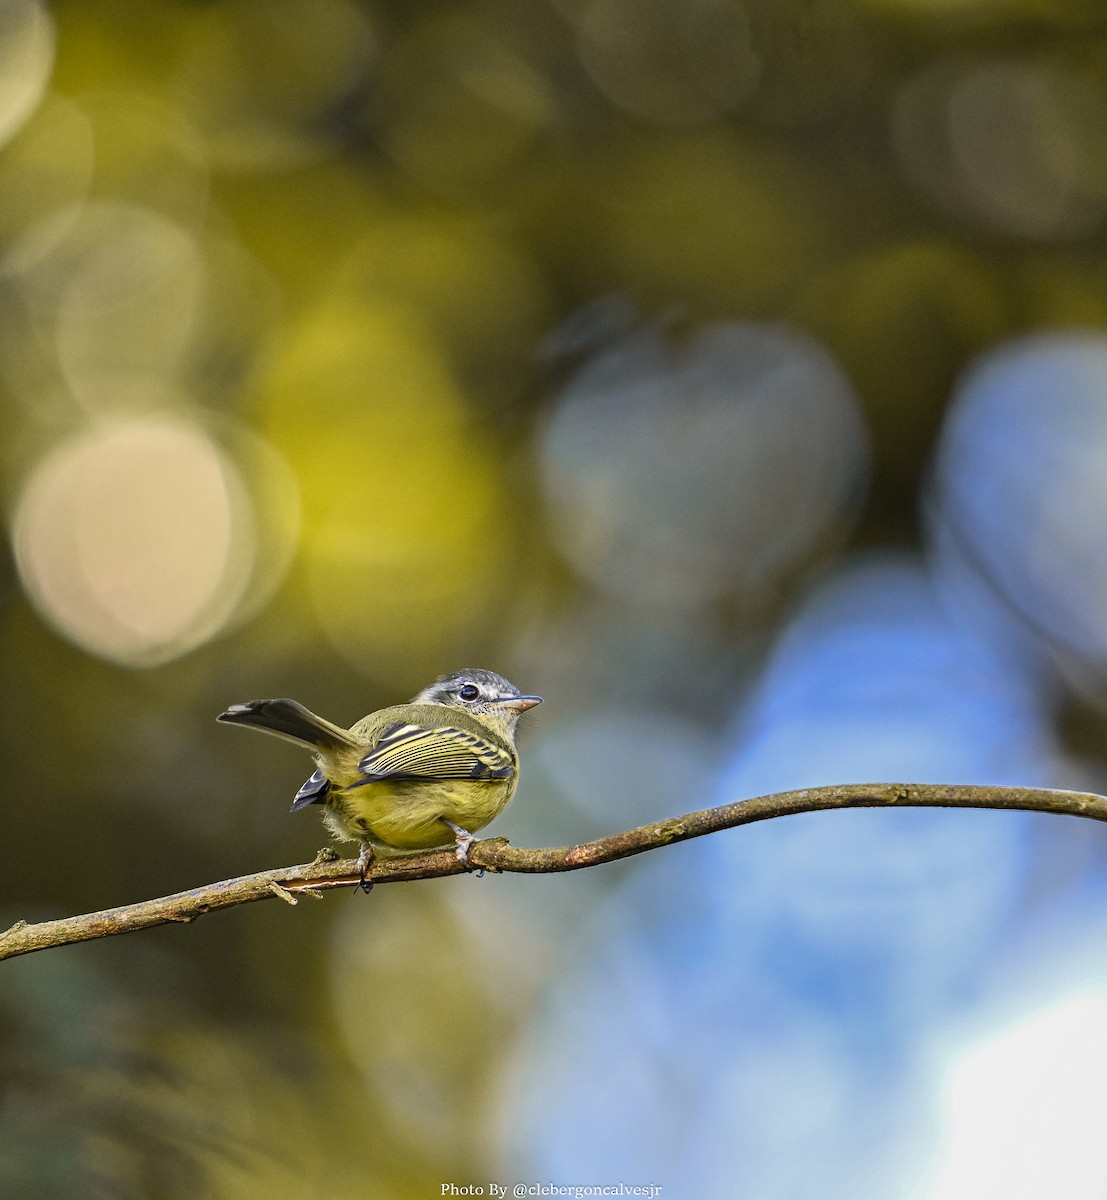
x,y
410,776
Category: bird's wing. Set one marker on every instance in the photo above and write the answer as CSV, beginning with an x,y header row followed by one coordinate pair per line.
x,y
443,752
314,791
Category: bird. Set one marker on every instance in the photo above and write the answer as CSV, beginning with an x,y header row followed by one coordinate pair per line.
x,y
412,776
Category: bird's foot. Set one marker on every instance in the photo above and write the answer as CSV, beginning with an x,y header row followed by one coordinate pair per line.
x,y
464,840
363,861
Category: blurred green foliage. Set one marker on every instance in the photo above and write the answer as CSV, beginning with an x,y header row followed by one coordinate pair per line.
x,y
330,244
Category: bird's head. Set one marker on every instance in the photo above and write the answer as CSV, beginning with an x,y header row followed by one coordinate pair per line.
x,y
484,694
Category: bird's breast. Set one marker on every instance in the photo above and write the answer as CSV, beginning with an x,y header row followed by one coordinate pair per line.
x,y
406,814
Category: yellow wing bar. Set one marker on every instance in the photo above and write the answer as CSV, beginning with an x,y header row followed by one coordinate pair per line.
x,y
416,752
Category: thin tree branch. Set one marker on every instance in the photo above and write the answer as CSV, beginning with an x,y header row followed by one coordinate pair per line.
x,y
495,854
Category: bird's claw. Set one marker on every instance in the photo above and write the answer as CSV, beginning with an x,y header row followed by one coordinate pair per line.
x,y
364,858
464,840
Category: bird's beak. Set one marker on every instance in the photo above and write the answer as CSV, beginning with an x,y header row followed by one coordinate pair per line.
x,y
519,703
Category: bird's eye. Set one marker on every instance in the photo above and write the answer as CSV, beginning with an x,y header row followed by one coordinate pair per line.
x,y
469,692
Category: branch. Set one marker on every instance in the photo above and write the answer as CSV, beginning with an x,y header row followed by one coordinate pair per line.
x,y
494,854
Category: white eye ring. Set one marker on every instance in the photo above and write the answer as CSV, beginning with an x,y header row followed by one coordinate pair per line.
x,y
469,692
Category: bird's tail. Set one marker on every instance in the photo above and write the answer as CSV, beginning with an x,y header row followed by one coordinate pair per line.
x,y
290,720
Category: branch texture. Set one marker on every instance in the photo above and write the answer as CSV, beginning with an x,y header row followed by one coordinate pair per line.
x,y
495,854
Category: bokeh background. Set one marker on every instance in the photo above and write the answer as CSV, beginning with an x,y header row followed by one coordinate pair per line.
x,y
731,372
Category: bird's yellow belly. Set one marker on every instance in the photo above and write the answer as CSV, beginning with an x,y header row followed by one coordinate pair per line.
x,y
407,814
